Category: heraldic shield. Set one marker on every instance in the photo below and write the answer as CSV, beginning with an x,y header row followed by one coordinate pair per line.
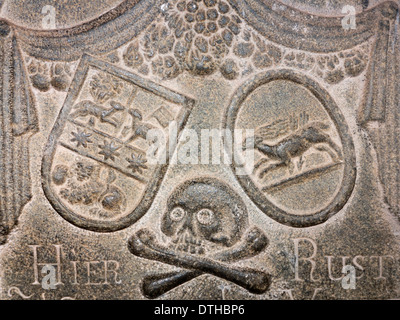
x,y
95,169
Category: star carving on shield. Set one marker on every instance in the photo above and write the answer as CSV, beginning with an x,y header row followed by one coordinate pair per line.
x,y
81,138
109,150
137,163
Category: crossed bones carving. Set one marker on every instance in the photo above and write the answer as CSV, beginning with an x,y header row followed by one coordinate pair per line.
x,y
144,244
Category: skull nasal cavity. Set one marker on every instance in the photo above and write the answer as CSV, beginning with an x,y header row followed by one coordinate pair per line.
x,y
188,224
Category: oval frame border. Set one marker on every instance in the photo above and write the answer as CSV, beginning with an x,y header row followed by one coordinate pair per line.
x,y
350,170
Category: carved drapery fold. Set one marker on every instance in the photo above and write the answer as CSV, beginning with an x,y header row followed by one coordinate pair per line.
x,y
380,115
99,36
385,51
18,121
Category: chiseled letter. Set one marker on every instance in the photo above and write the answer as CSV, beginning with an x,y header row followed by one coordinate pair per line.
x,y
309,259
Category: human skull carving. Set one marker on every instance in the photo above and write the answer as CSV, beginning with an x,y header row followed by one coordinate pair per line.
x,y
204,215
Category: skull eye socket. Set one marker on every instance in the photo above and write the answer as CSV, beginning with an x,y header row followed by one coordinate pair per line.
x,y
205,217
177,214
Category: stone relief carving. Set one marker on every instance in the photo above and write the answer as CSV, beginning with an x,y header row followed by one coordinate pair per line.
x,y
97,145
18,122
205,37
95,169
204,235
296,151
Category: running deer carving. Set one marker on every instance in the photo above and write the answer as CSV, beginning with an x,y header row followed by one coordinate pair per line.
x,y
103,114
295,145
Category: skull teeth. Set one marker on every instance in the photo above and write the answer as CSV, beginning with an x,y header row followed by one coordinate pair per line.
x,y
193,241
192,249
188,243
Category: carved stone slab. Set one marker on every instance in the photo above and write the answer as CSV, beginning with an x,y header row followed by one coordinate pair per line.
x,y
199,149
